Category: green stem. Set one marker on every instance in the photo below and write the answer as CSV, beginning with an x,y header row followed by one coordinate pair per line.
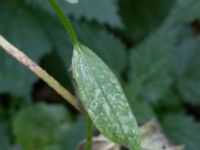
x,y
65,21
89,133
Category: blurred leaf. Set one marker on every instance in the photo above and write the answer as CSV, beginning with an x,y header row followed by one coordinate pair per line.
x,y
87,9
141,17
103,98
25,32
186,68
184,12
104,44
77,132
40,125
151,65
4,140
142,110
151,61
58,38
6,14
170,102
182,129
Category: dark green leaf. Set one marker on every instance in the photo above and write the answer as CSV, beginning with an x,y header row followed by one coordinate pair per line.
x,y
151,61
40,125
105,44
182,129
4,140
170,102
186,68
24,31
76,134
88,9
151,65
142,110
184,12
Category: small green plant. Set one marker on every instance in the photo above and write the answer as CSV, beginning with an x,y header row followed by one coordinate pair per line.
x,y
98,89
152,47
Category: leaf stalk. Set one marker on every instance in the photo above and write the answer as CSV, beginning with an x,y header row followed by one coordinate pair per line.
x,y
65,21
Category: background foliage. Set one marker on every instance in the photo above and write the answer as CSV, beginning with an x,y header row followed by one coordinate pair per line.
x,y
152,46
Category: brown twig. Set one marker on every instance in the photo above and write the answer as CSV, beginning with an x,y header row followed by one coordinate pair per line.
x,y
41,73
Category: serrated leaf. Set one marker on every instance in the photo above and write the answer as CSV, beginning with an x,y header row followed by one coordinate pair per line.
x,y
58,37
151,60
151,65
24,31
186,68
88,9
183,130
40,125
104,43
103,98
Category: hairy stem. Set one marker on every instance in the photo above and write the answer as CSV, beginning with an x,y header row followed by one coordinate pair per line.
x,y
65,21
22,58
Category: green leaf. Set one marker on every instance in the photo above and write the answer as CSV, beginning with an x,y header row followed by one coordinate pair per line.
x,y
77,133
104,44
185,11
138,106
5,15
24,31
143,111
142,17
151,65
151,61
88,9
40,125
103,98
170,102
182,129
4,140
186,69
58,37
